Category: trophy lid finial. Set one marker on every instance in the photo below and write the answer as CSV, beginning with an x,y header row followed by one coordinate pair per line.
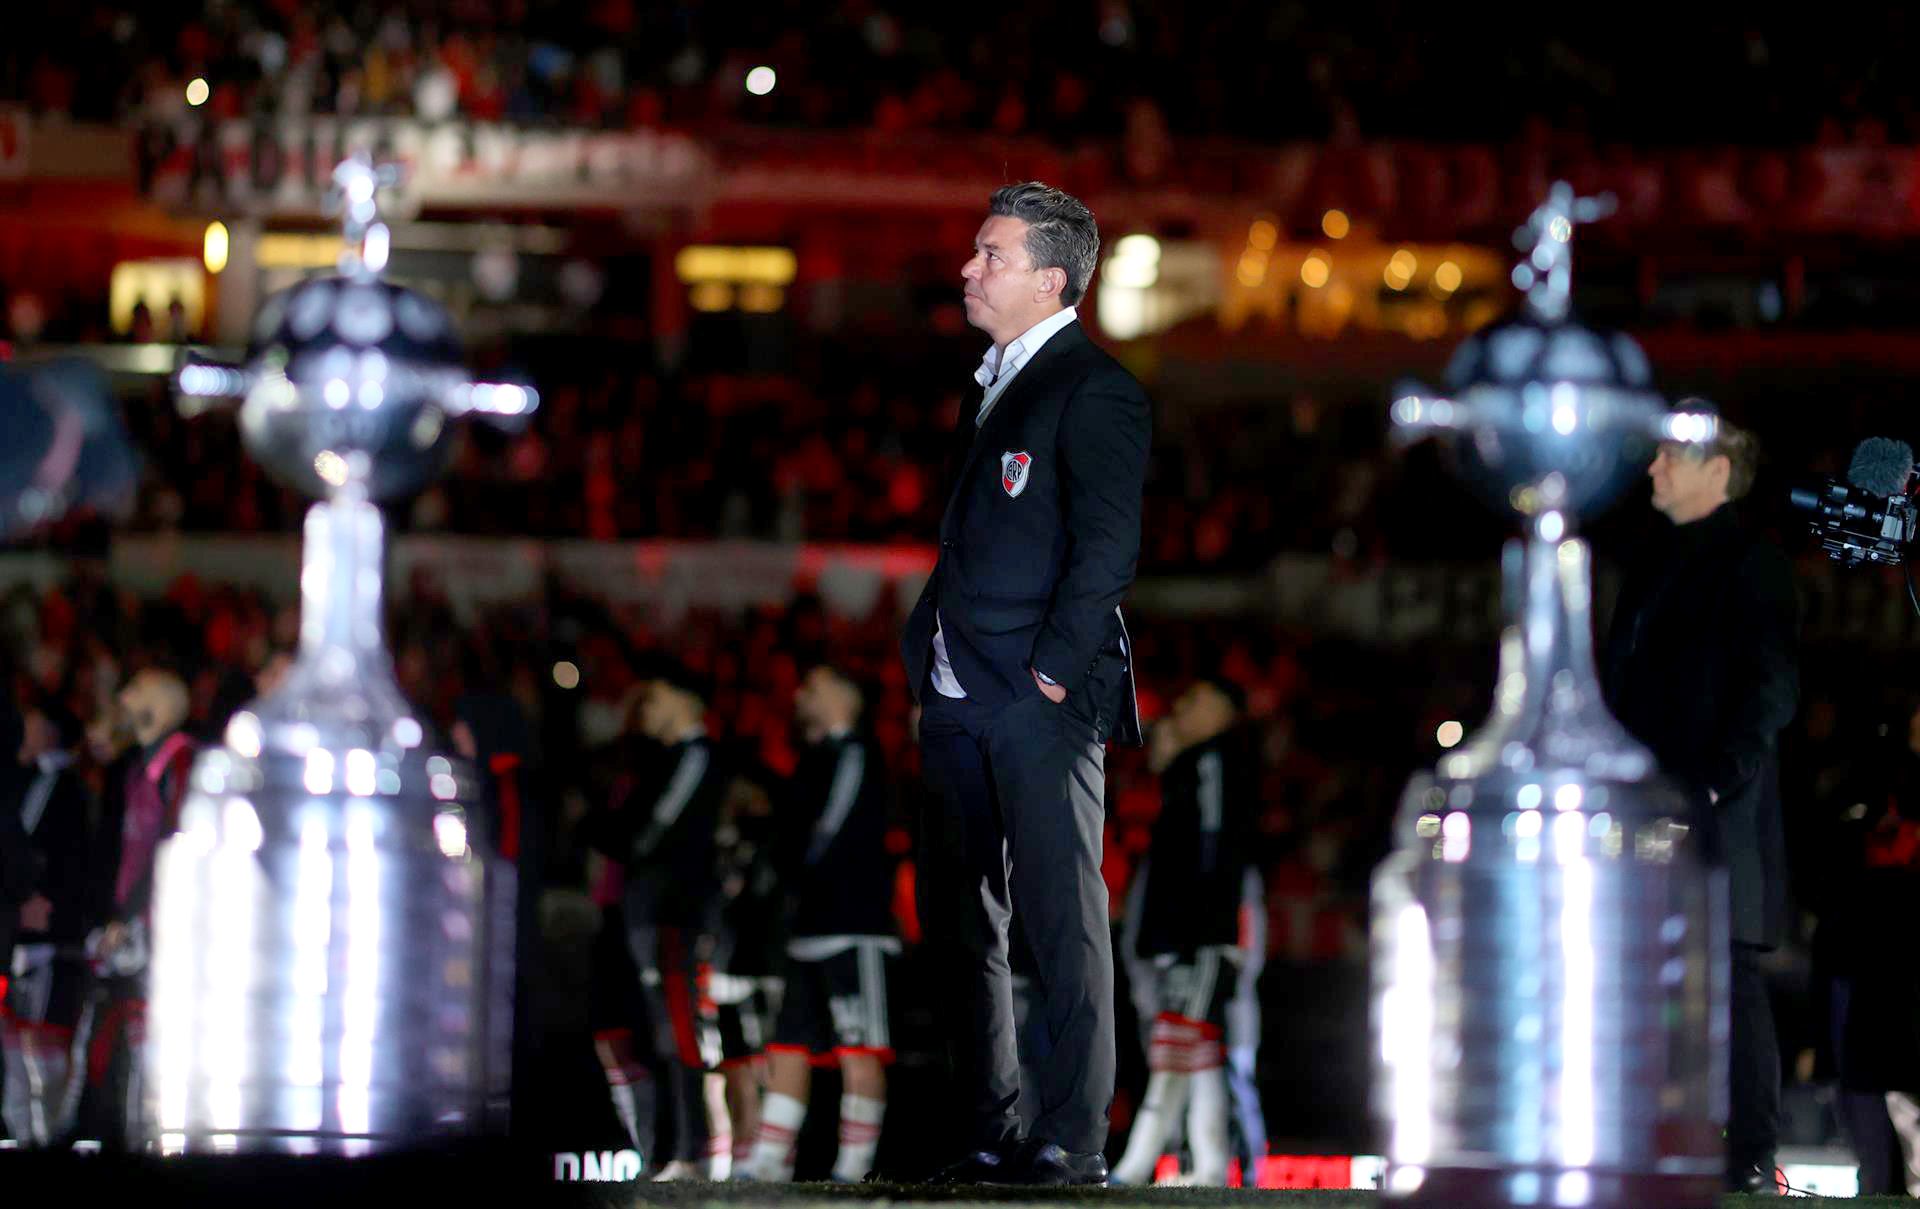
x,y
357,182
1547,238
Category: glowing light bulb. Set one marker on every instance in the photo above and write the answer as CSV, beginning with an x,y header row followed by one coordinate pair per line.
x,y
1316,269
215,246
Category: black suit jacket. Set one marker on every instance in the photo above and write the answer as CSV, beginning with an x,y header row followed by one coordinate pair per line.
x,y
1041,538
1701,667
60,851
16,876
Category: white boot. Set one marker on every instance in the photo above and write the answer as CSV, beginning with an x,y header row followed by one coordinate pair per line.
x,y
678,1169
772,1157
1166,1096
1207,1127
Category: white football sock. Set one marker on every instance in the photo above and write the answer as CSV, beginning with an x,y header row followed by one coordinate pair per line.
x,y
780,1119
1166,1095
621,1086
860,1118
719,1162
1207,1127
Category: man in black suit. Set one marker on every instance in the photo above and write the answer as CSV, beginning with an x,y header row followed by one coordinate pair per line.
x,y
49,969
1701,667
1020,662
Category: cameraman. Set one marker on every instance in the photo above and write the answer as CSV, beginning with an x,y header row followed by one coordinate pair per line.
x,y
1701,667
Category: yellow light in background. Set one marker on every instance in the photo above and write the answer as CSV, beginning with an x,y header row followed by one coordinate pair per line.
x,y
1427,322
1336,224
1447,277
158,283
290,251
1263,235
198,90
1316,269
1135,263
710,296
710,263
566,674
214,247
762,299
1253,268
1137,247
1400,269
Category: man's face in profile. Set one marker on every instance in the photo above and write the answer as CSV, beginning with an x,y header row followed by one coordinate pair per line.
x,y
1001,287
155,703
1686,485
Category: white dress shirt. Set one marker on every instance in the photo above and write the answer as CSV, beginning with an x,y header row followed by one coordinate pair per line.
x,y
997,370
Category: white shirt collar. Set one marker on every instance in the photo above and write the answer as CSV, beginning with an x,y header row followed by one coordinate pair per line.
x,y
1004,364
54,761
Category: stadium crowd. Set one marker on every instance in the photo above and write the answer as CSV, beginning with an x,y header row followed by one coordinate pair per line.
x,y
1272,72
628,456
861,458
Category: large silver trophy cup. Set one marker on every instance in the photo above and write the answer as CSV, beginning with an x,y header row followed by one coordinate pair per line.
x,y
332,935
1549,946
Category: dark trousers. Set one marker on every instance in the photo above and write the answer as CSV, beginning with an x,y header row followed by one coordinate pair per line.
x,y
1753,1066
1863,1114
1014,826
669,983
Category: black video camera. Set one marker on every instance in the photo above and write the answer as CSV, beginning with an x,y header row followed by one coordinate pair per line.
x,y
1856,526
1871,516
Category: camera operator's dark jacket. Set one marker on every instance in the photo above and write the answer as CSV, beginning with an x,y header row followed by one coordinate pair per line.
x,y
1872,880
1701,666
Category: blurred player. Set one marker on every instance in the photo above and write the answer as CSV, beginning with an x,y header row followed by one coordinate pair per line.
x,y
1188,934
1243,1025
154,704
742,985
839,877
663,835
48,967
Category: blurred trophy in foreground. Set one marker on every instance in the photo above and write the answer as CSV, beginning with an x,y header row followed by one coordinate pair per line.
x,y
1549,941
332,935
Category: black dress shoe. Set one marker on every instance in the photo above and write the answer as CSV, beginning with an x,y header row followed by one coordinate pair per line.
x,y
1047,1163
1754,1179
984,1166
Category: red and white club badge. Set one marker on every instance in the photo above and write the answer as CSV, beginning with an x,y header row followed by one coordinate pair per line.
x,y
1013,471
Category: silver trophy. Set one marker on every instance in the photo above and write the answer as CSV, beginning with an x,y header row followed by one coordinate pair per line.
x,y
332,936
1549,945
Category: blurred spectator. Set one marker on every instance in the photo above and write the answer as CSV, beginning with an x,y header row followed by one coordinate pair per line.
x,y
1271,72
156,703
48,974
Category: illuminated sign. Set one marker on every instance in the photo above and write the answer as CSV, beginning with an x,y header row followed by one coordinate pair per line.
x,y
1366,1171
158,284
596,1166
698,263
286,250
722,278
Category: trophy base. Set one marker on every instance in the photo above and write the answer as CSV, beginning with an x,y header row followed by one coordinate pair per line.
x,y
1508,1187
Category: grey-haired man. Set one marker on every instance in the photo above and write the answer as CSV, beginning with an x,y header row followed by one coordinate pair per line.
x,y
1021,665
